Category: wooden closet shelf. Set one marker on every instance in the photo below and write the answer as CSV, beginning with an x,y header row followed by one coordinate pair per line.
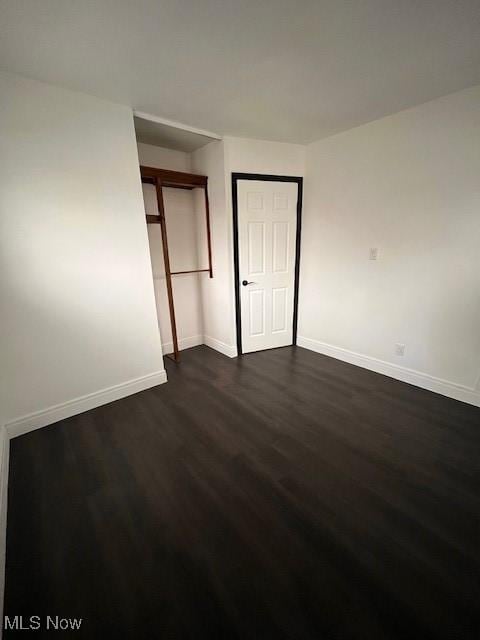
x,y
168,178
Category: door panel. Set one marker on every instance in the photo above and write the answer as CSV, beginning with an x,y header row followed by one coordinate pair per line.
x,y
267,224
256,248
256,303
279,309
280,246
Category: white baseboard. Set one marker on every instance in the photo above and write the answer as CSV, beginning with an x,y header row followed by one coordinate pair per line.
x,y
183,343
48,416
4,461
70,408
417,378
226,349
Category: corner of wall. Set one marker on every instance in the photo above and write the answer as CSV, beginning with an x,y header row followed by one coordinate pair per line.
x,y
410,376
43,418
50,415
227,349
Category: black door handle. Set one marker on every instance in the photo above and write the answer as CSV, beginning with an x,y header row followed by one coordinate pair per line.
x,y
245,282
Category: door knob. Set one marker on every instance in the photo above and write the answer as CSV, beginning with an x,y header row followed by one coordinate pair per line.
x,y
245,282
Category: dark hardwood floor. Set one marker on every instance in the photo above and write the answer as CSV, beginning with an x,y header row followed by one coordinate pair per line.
x,y
283,494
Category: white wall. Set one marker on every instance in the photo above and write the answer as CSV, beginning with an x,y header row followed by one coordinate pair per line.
x,y
261,156
152,156
181,220
218,160
408,184
217,293
77,303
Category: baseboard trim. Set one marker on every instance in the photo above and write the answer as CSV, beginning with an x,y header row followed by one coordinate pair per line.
x,y
58,412
43,418
226,349
417,378
183,343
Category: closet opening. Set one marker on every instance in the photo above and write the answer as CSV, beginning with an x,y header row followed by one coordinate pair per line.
x,y
178,223
163,180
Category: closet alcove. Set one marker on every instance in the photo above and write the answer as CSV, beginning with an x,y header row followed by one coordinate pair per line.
x,y
178,224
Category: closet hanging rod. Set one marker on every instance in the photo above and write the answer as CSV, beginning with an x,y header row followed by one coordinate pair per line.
x,y
177,273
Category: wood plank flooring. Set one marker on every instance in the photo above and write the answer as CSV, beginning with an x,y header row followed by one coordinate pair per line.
x,y
280,495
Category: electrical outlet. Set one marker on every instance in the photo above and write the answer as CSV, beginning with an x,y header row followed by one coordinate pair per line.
x,y
373,253
399,349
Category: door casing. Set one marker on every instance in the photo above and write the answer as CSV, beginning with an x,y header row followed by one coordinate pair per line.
x,y
267,178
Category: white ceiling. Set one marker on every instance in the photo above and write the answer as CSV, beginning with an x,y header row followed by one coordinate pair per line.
x,y
288,70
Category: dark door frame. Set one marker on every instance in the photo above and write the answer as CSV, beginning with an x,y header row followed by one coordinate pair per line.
x,y
266,178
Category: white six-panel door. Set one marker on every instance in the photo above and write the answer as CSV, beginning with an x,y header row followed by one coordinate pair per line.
x,y
267,224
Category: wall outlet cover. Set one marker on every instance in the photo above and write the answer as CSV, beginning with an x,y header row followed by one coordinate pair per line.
x,y
399,349
373,255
